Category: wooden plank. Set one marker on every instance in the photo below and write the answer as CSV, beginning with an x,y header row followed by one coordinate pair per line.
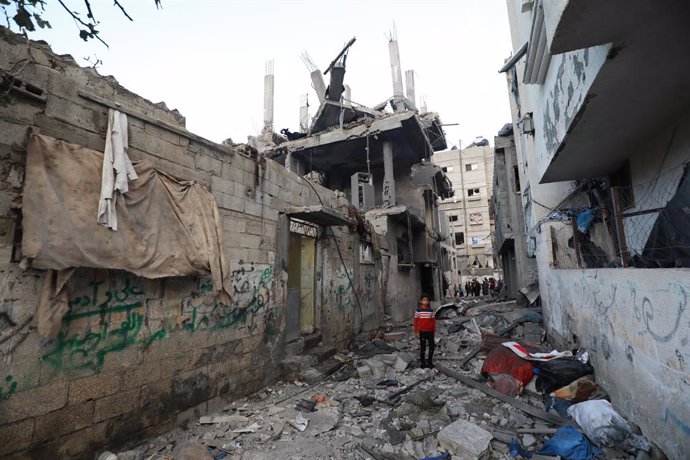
x,y
521,405
397,394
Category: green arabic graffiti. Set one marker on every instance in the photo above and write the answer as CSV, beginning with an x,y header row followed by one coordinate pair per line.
x,y
115,301
89,350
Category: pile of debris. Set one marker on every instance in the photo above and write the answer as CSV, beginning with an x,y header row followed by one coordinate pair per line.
x,y
490,396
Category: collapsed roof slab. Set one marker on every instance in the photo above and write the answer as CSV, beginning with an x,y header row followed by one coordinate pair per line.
x,y
345,148
330,112
319,214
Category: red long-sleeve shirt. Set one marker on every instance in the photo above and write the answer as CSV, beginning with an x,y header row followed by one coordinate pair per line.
x,y
424,320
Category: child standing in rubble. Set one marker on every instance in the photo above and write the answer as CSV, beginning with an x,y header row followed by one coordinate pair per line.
x,y
424,329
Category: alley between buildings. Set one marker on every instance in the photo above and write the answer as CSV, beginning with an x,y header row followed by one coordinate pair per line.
x,y
169,297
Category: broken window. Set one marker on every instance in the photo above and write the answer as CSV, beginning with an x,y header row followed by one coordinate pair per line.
x,y
471,167
453,218
404,252
516,178
459,238
476,218
472,192
366,255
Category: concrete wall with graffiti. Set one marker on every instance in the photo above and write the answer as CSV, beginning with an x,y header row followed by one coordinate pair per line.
x,y
351,295
134,356
636,322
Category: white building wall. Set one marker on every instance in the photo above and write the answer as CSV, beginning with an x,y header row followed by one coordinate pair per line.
x,y
636,322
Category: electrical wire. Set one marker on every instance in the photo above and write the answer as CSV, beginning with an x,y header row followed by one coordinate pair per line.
x,y
342,261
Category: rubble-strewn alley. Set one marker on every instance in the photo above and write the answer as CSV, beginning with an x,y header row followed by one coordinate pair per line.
x,y
375,402
164,296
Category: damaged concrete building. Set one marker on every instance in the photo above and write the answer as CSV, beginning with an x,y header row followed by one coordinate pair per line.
x,y
601,116
519,269
381,161
221,265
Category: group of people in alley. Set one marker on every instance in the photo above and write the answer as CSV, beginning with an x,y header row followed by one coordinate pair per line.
x,y
478,288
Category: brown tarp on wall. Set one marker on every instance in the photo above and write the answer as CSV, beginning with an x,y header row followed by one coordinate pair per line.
x,y
166,227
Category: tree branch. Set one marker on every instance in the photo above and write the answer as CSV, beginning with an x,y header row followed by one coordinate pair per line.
x,y
88,8
123,10
92,28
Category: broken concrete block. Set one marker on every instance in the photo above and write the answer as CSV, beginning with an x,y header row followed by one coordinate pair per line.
x,y
402,362
107,456
528,440
378,368
364,372
466,440
388,359
416,433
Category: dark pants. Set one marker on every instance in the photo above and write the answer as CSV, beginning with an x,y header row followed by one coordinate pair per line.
x,y
424,338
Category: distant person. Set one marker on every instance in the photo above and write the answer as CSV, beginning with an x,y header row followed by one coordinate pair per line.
x,y
485,287
424,329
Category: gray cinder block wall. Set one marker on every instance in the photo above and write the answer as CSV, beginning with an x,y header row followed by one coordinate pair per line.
x,y
155,356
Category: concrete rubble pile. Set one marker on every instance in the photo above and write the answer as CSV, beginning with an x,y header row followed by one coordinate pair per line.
x,y
375,402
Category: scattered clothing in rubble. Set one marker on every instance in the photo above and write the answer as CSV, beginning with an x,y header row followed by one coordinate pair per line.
x,y
523,353
501,360
516,450
561,406
506,384
570,444
580,390
606,427
557,373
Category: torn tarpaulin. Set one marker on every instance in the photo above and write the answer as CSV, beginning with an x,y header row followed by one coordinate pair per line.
x,y
166,227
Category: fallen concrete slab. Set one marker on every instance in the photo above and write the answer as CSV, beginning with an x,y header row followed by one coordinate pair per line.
x,y
466,440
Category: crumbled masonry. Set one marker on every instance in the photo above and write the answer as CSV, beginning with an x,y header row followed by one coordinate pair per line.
x,y
374,401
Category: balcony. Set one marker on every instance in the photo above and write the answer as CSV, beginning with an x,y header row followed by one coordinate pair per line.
x,y
619,73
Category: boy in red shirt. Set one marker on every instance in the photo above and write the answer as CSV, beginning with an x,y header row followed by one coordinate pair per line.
x,y
424,328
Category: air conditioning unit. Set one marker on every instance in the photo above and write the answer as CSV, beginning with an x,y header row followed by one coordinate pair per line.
x,y
362,190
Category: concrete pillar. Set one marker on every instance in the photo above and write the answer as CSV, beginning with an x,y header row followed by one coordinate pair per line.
x,y
318,84
347,97
409,86
388,175
335,87
396,74
269,81
304,113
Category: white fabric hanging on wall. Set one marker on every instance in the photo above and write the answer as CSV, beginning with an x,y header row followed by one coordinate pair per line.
x,y
117,168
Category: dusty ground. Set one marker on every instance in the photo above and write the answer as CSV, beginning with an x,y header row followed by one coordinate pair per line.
x,y
356,418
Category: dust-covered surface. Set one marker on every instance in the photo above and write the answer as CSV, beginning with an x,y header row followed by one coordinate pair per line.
x,y
357,413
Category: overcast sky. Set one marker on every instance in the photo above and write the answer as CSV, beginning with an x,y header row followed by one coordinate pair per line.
x,y
207,58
